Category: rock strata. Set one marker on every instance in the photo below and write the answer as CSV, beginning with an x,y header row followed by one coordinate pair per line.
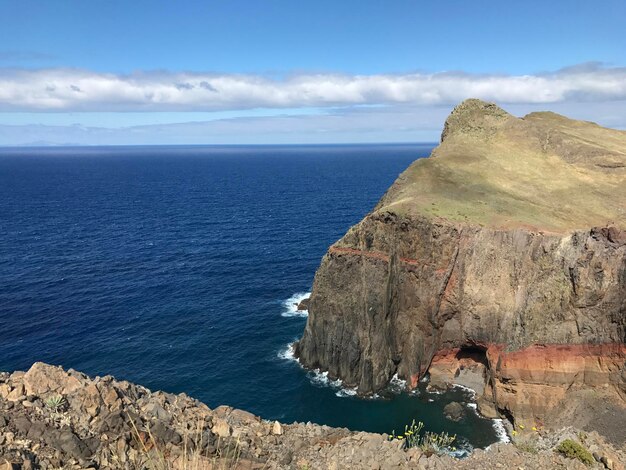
x,y
52,419
499,262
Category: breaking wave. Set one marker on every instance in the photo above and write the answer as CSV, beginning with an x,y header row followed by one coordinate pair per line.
x,y
498,426
288,353
316,376
291,305
396,384
462,448
471,391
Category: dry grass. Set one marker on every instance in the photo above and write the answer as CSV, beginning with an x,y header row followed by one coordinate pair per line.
x,y
226,455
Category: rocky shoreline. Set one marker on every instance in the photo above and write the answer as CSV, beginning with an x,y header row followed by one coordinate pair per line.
x,y
56,419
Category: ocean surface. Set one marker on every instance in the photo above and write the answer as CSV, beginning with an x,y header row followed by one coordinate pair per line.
x,y
177,268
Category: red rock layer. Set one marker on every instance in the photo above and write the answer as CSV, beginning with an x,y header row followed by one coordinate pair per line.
x,y
527,383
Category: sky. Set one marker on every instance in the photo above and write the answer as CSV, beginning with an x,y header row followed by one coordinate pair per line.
x,y
95,72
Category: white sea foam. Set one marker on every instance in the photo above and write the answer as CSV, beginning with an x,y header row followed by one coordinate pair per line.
x,y
346,392
317,377
471,391
463,387
288,353
498,426
321,379
396,384
290,306
463,449
474,408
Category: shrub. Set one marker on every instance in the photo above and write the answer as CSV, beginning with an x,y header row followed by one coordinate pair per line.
x,y
574,450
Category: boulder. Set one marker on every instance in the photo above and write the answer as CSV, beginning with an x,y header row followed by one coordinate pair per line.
x,y
43,379
277,429
454,411
303,305
221,427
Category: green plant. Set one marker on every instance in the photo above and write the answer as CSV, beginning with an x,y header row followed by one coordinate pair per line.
x,y
56,403
574,450
428,442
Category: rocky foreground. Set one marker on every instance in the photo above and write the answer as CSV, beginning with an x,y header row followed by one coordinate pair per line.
x,y
499,262
56,419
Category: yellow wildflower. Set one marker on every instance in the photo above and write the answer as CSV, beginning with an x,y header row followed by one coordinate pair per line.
x,y
521,426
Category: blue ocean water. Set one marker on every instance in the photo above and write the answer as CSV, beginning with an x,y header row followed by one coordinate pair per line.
x,y
172,267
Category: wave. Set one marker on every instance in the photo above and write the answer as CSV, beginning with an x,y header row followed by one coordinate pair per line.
x,y
288,353
498,427
317,377
321,379
463,448
291,305
397,385
471,391
498,424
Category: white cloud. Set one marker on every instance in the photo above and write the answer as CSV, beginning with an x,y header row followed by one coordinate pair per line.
x,y
81,90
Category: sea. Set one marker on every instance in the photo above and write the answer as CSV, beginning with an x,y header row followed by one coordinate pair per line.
x,y
178,267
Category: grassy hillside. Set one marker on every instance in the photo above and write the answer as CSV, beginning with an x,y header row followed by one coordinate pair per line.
x,y
542,171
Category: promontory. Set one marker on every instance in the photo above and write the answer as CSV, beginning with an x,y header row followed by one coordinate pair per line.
x,y
499,262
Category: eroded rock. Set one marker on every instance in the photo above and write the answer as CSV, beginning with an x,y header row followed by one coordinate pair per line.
x,y
454,411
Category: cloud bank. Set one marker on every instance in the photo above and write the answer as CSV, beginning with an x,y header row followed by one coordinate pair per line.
x,y
81,90
361,125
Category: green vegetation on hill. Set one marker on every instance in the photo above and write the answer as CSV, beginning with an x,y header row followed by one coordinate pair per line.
x,y
542,171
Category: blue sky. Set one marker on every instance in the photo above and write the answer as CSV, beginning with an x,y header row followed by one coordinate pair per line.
x,y
96,72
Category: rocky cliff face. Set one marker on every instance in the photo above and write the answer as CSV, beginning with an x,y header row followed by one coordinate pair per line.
x,y
506,248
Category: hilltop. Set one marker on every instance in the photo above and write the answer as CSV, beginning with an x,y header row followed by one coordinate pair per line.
x,y
542,171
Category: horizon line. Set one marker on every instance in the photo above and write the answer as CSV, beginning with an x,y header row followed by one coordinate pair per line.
x,y
333,144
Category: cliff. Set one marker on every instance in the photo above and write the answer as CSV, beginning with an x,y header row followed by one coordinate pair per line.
x,y
500,261
52,419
